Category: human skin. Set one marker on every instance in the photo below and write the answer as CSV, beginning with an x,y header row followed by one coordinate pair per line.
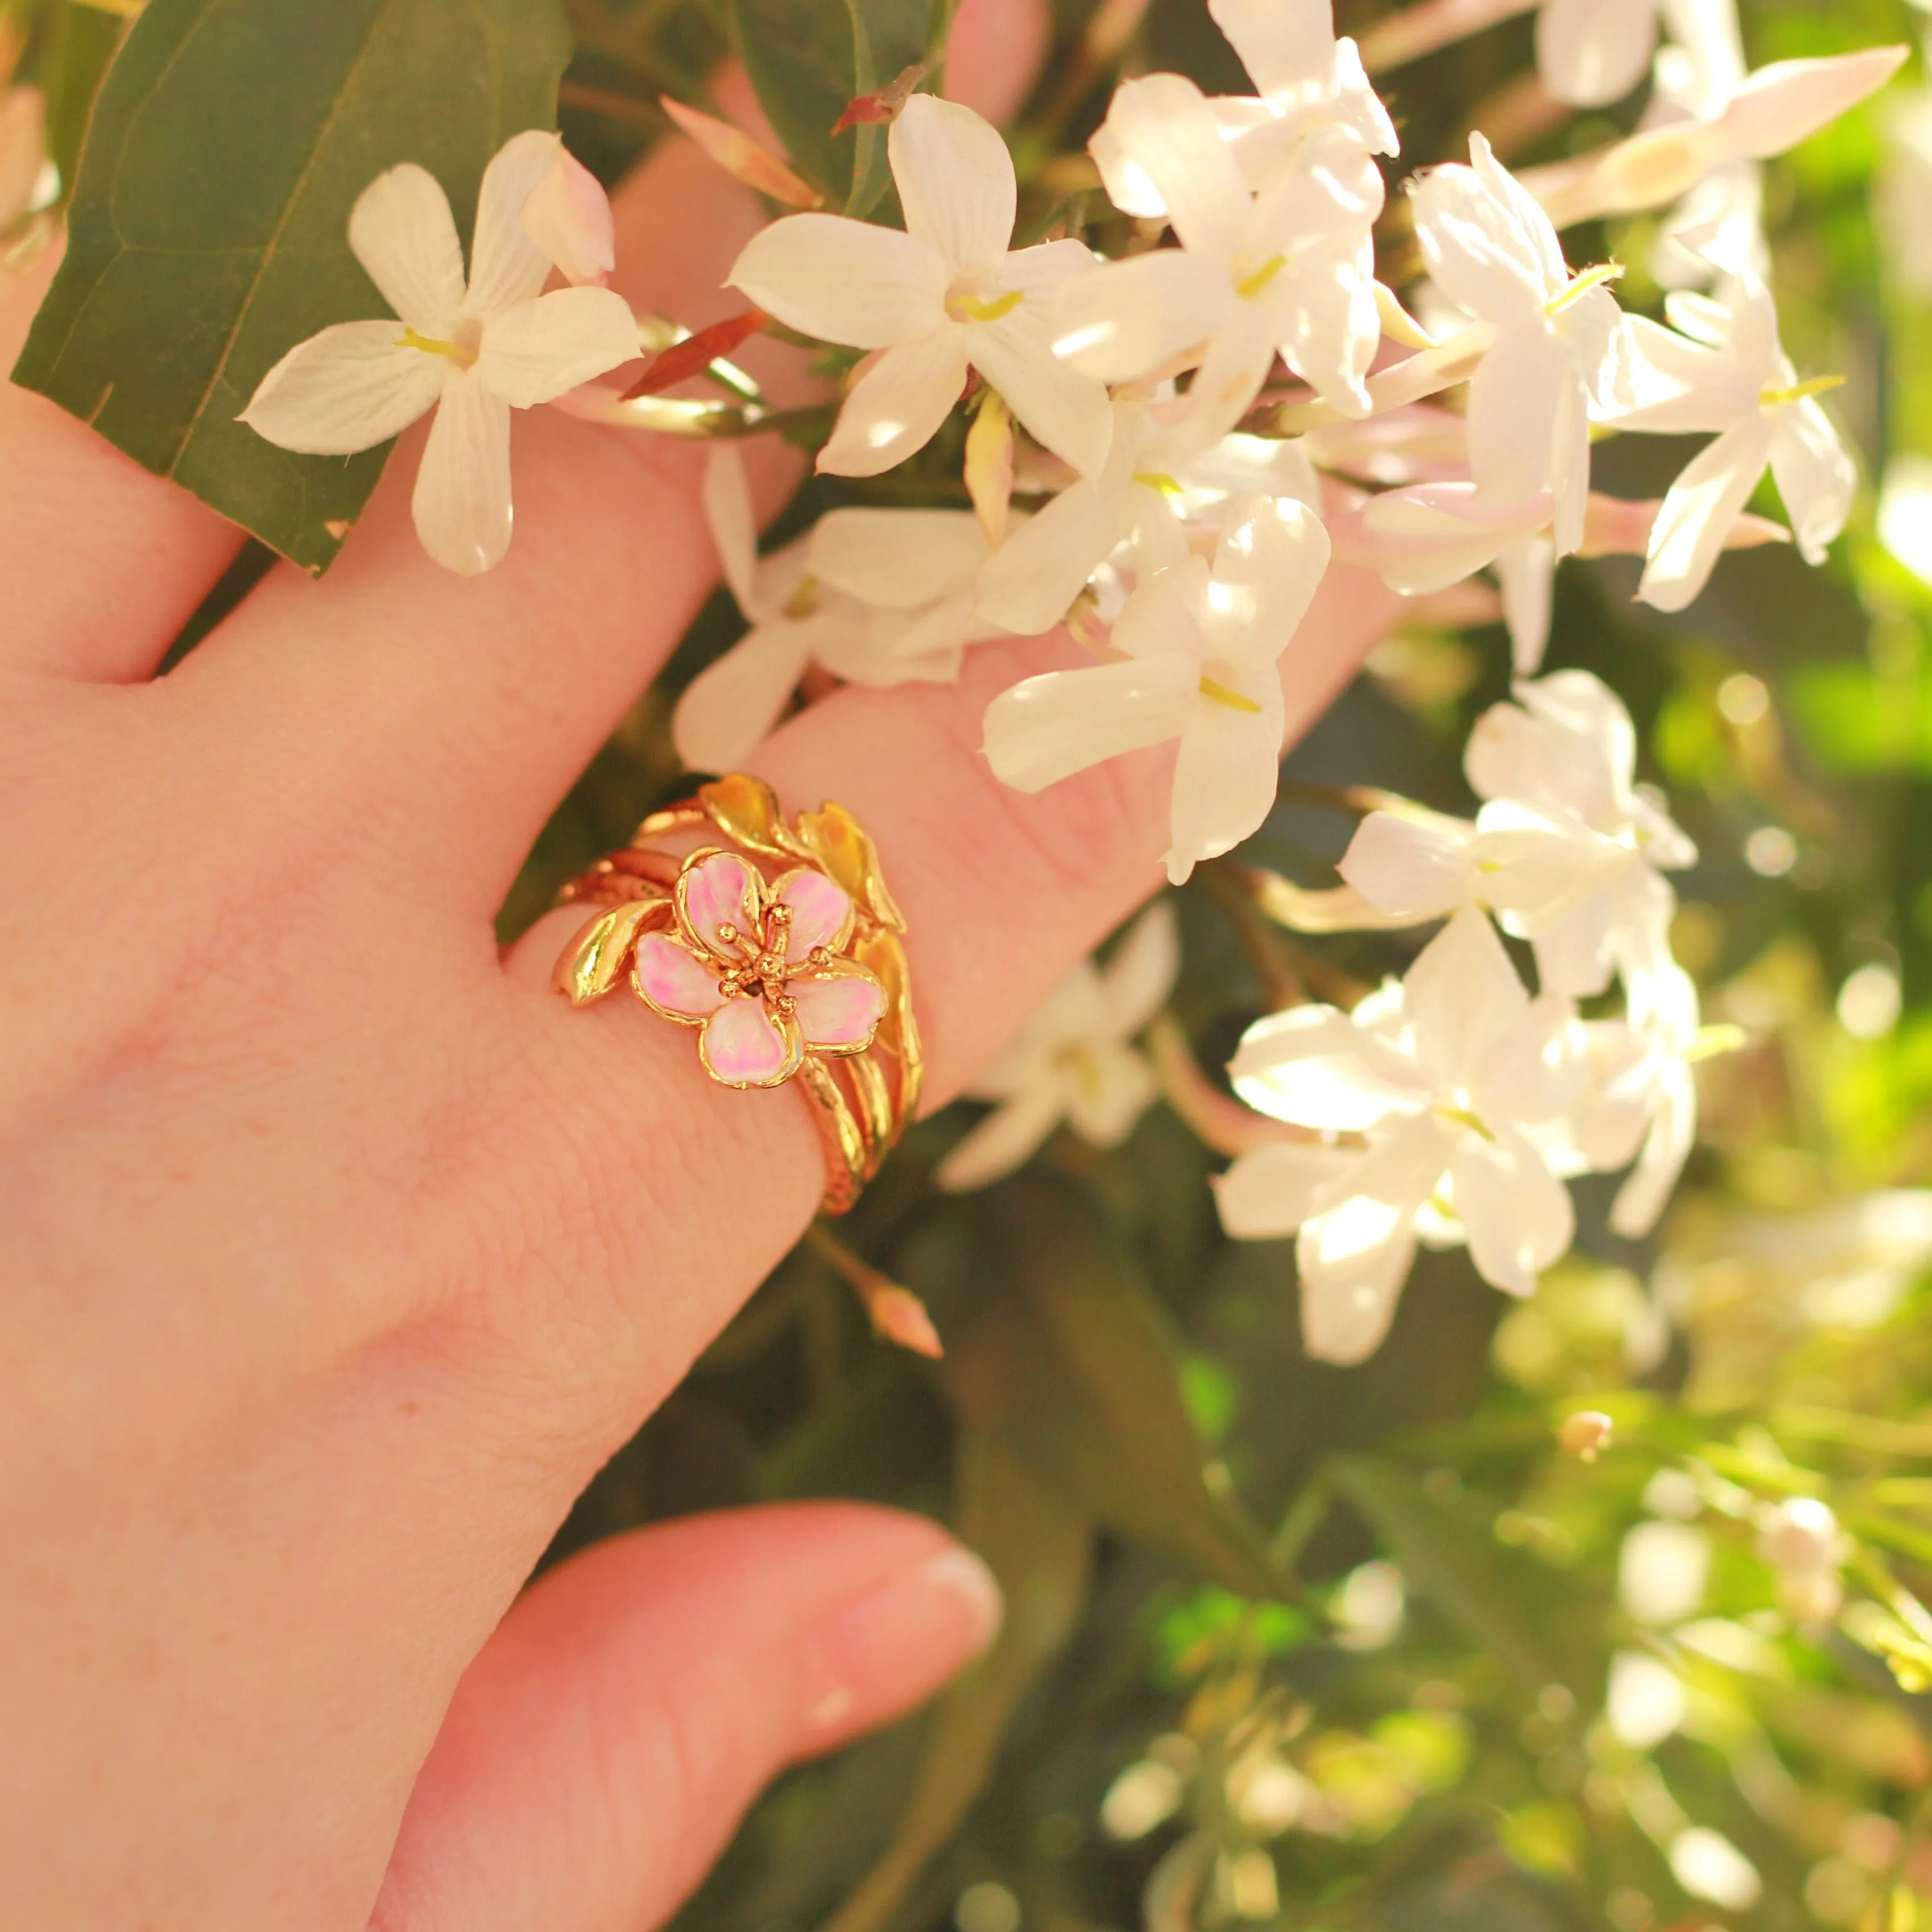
x,y
340,1253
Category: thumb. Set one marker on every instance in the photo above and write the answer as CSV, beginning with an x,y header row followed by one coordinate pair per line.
x,y
600,1750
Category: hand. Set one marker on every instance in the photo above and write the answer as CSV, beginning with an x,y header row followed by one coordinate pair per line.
x,y
340,1253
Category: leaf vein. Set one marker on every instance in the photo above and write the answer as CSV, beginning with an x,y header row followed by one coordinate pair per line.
x,y
384,9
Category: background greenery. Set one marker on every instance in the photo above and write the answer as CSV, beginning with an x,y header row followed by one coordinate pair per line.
x,y
1317,1649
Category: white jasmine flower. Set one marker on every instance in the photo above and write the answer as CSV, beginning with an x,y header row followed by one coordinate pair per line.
x,y
1426,537
1730,374
472,352
1719,224
1155,476
1556,351
877,597
945,295
1307,81
1663,1020
1199,663
1072,1061
1290,270
1770,112
1566,850
1590,52
1442,1074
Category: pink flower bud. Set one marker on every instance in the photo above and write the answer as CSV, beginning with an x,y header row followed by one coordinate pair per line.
x,y
569,218
741,157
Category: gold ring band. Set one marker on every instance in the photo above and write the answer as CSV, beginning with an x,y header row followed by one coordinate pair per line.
x,y
780,944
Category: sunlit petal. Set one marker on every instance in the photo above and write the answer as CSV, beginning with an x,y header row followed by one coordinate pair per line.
x,y
532,353
897,405
1688,536
1590,52
844,281
898,559
402,232
506,267
347,389
1050,727
462,500
730,706
955,182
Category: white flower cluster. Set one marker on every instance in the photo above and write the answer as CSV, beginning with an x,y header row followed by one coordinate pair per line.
x,y
1166,452
1184,547
1451,1106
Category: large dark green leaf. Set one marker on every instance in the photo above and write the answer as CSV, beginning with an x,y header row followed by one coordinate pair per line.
x,y
1080,1369
209,228
808,58
1039,1548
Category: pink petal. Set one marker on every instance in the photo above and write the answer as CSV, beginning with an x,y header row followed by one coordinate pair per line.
x,y
841,1011
741,1046
720,890
673,981
819,910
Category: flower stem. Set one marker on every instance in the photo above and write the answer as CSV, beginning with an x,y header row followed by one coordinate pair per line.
x,y
1430,25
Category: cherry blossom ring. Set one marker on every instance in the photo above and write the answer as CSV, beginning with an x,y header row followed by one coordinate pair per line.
x,y
780,944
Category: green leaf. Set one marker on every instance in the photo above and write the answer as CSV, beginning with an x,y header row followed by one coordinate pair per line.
x,y
808,58
82,41
1081,1369
1040,1550
209,230
1533,1621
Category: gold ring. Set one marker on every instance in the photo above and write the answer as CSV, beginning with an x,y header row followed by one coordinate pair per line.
x,y
780,944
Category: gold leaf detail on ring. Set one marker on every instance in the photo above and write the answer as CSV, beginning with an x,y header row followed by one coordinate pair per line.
x,y
835,838
745,810
595,960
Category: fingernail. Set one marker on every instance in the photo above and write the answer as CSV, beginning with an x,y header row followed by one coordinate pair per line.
x,y
896,1645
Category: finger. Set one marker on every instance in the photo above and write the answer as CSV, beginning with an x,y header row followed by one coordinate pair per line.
x,y
476,703
600,1749
461,709
995,54
101,563
1002,894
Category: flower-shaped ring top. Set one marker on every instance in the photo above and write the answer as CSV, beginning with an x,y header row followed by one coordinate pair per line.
x,y
758,968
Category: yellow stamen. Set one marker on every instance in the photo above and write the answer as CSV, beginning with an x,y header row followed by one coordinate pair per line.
x,y
973,308
1252,285
1157,479
1463,1117
1581,284
1713,1040
804,600
1819,386
1233,699
430,346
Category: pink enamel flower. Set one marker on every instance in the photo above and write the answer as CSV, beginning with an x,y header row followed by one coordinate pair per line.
x,y
756,968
